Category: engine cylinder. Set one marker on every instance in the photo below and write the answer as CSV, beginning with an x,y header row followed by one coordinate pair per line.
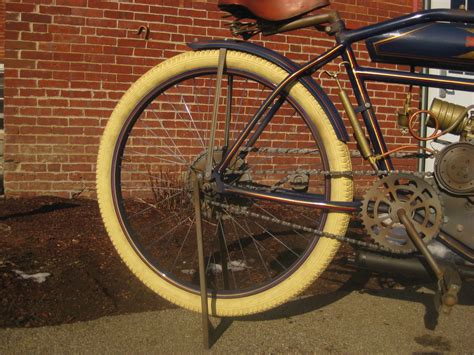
x,y
447,114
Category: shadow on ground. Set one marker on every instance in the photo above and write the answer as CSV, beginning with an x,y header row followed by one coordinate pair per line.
x,y
87,280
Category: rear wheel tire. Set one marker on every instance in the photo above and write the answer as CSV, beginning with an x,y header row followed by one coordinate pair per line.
x,y
144,161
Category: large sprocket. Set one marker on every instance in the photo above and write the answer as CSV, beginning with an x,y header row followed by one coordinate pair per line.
x,y
391,193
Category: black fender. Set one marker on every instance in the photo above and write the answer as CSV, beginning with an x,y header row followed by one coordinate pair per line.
x,y
289,66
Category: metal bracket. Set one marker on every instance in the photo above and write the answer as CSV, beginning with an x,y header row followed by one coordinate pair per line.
x,y
228,112
367,106
145,29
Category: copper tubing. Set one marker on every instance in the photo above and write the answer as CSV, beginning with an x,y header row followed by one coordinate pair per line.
x,y
437,133
411,126
405,147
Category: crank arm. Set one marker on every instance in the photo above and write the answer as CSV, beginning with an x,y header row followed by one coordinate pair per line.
x,y
449,281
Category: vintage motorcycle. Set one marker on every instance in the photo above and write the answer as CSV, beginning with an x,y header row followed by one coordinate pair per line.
x,y
242,145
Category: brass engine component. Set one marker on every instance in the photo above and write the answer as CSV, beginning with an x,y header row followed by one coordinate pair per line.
x,y
454,169
359,135
447,114
358,131
404,115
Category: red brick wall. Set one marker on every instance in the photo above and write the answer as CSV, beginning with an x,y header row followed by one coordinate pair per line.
x,y
2,30
67,65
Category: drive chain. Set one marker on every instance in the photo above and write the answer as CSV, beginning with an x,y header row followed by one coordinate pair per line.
x,y
237,210
320,172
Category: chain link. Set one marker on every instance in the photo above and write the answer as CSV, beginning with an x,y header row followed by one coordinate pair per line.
x,y
319,172
305,151
370,246
243,212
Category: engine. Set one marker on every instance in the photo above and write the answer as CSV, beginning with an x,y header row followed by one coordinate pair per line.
x,y
441,206
454,171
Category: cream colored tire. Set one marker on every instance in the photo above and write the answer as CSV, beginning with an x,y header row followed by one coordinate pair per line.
x,y
341,188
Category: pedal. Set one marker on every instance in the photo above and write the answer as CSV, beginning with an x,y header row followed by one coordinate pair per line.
x,y
449,281
448,288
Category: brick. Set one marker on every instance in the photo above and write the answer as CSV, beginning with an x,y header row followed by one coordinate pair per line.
x,y
37,18
68,62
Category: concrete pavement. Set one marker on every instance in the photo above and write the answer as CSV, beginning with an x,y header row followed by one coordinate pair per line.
x,y
389,321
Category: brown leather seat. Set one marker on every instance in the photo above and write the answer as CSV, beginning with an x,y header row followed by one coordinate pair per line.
x,y
270,10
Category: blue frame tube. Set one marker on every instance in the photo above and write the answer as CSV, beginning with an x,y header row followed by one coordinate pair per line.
x,y
351,36
407,78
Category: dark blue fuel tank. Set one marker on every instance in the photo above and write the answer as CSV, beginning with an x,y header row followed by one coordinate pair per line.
x,y
435,45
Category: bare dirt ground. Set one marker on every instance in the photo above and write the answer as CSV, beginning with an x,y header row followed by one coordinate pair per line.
x,y
66,239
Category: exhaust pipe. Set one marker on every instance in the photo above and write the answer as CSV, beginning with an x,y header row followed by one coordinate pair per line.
x,y
412,267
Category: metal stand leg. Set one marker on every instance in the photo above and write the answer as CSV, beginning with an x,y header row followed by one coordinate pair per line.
x,y
206,325
202,267
220,73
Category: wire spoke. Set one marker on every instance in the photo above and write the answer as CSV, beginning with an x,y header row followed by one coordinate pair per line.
x,y
255,242
183,243
273,216
192,120
160,138
260,244
274,237
154,205
240,245
221,228
171,139
139,155
268,251
180,223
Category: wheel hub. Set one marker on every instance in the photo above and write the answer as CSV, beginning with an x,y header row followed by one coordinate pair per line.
x,y
209,190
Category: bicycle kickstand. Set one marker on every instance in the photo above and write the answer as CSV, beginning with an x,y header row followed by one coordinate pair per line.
x,y
220,73
206,324
202,267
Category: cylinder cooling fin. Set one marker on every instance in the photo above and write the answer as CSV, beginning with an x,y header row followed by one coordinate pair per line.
x,y
449,116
